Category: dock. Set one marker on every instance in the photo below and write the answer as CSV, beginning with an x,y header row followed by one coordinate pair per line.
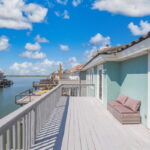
x,y
27,99
27,96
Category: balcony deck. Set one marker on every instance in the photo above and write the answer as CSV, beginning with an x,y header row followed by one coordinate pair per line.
x,y
82,123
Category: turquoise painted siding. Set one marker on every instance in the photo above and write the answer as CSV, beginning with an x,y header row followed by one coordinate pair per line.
x,y
129,78
134,81
111,81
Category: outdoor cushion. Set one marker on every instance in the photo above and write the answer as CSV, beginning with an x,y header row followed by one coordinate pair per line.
x,y
114,103
123,110
132,104
121,99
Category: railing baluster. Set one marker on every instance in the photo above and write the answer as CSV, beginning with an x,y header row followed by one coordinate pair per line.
x,y
32,120
29,130
18,135
2,142
26,132
14,137
8,139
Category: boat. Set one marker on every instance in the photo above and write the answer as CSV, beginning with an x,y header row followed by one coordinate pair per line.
x,y
3,81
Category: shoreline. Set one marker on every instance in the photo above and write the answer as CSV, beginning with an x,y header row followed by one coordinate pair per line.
x,y
26,76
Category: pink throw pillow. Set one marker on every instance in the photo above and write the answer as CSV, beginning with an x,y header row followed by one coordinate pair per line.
x,y
132,104
122,99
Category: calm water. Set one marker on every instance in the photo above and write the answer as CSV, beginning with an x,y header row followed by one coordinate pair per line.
x,y
7,95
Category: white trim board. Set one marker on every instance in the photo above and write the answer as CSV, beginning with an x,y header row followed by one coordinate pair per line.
x,y
148,114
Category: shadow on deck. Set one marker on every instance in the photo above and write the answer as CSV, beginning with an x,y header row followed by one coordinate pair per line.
x,y
82,123
51,134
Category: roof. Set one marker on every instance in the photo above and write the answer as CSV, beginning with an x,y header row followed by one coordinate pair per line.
x,y
117,49
1,72
74,69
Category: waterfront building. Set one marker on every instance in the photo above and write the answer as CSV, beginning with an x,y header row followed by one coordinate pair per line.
x,y
72,73
2,75
123,70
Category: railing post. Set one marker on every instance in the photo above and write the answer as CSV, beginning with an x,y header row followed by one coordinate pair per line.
x,y
23,133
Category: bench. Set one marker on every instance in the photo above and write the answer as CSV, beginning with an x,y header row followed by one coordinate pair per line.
x,y
125,110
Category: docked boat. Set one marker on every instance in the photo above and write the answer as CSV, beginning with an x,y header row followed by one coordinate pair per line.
x,y
3,81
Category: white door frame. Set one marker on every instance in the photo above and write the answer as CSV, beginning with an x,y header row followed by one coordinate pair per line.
x,y
100,67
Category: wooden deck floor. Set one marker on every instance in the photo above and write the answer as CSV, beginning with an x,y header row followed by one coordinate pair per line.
x,y
84,124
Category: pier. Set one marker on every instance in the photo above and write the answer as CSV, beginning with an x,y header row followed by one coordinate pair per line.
x,y
26,96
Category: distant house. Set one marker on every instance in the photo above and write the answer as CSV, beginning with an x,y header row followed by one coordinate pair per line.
x,y
54,75
1,75
72,73
123,69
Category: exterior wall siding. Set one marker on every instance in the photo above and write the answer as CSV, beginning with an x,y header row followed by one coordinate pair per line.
x,y
111,81
129,78
134,81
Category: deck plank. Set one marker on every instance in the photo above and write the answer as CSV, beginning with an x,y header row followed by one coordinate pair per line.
x,y
89,126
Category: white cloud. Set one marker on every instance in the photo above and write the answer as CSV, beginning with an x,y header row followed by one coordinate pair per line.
x,y
14,24
26,68
35,46
64,47
16,14
62,2
35,13
143,28
4,43
134,8
73,61
75,3
100,40
33,55
90,52
22,68
40,39
64,15
97,42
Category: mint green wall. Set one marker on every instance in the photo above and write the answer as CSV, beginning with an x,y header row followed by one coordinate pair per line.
x,y
129,78
111,81
134,81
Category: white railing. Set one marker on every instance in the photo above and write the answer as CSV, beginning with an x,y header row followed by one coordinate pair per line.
x,y
79,90
20,129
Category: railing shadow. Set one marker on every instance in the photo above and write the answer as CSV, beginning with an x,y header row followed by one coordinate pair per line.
x,y
51,135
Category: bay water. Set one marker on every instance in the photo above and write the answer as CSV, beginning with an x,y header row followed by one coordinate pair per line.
x,y
7,95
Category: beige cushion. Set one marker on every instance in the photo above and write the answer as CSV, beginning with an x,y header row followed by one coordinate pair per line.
x,y
122,99
132,104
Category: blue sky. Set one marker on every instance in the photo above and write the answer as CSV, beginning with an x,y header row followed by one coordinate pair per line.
x,y
37,35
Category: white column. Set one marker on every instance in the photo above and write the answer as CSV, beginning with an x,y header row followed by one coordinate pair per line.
x,y
148,115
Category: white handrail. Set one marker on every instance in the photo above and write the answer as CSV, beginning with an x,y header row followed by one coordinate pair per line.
x,y
19,129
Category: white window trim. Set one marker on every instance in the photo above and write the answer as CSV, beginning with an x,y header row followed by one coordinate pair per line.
x,y
148,115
